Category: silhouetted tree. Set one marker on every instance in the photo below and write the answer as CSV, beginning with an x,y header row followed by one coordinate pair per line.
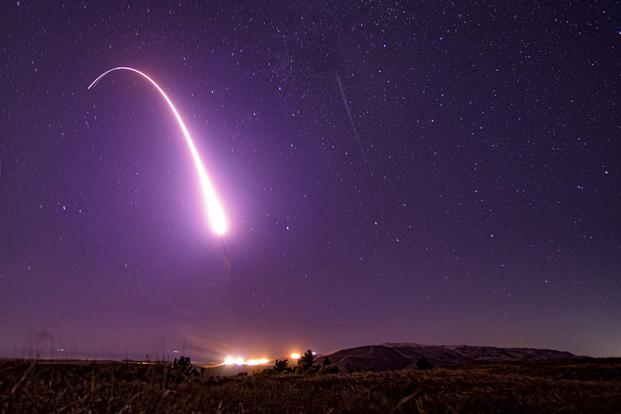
x,y
423,363
307,361
281,365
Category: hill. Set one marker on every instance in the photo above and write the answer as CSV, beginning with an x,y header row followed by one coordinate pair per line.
x,y
394,356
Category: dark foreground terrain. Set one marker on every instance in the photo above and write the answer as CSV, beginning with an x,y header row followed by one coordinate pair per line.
x,y
588,386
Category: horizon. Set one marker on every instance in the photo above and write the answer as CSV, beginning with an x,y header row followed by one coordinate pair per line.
x,y
74,354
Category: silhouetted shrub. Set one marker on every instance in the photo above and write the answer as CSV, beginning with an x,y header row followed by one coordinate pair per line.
x,y
423,363
183,366
281,365
328,368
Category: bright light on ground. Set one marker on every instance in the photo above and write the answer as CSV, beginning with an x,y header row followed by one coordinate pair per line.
x,y
258,361
295,355
229,360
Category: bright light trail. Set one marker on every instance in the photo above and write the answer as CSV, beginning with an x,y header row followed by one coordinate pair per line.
x,y
215,212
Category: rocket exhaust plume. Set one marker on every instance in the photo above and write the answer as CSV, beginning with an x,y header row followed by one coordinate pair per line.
x,y
214,210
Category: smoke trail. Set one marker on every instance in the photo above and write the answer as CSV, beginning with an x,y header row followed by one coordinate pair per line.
x,y
351,120
215,212
229,268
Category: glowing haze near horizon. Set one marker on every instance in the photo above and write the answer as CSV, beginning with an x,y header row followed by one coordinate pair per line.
x,y
462,187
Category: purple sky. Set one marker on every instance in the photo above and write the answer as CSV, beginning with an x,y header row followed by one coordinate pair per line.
x,y
479,206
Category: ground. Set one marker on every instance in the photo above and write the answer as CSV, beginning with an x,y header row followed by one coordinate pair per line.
x,y
591,385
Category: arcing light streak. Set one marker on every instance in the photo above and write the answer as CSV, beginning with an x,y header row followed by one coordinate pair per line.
x,y
215,212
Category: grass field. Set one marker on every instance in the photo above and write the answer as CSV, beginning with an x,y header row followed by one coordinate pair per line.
x,y
588,386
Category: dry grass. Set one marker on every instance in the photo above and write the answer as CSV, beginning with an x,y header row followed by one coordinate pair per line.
x,y
584,386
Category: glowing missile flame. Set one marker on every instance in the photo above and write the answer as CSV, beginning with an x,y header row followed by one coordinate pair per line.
x,y
295,355
215,212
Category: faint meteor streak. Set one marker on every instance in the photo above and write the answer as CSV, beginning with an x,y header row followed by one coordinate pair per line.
x,y
351,119
215,212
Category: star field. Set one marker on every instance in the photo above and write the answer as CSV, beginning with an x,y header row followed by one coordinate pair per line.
x,y
472,198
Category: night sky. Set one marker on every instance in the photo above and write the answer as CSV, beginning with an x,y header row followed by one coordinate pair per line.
x,y
472,197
